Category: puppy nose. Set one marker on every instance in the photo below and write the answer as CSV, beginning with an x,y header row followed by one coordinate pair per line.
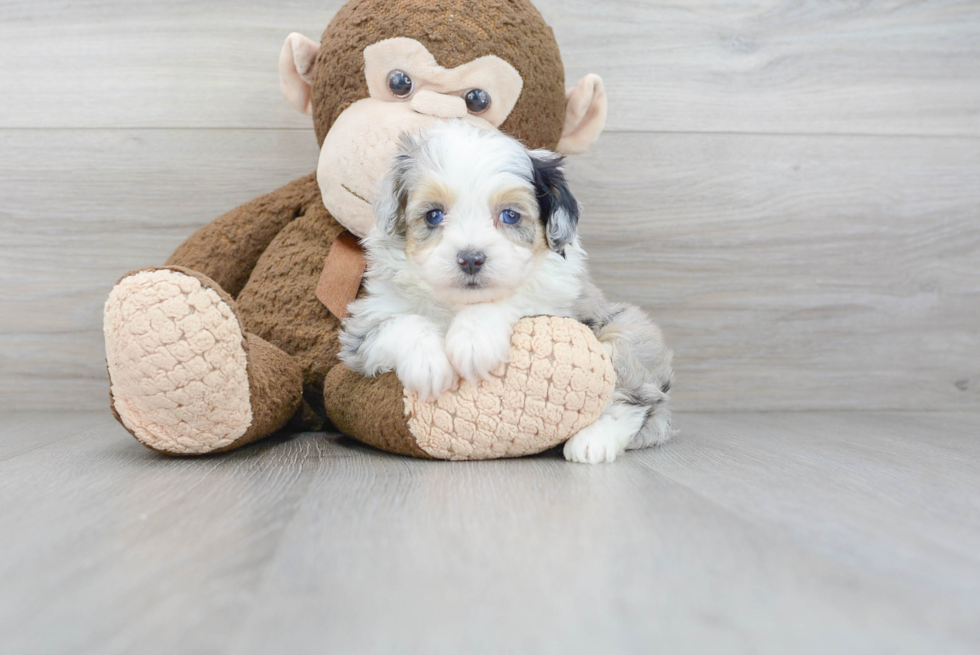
x,y
470,261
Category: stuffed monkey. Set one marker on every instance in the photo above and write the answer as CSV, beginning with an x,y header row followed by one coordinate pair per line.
x,y
235,337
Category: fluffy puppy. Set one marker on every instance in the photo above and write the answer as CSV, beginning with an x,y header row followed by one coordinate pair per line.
x,y
473,233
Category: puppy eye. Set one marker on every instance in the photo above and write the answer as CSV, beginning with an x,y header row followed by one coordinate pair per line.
x,y
434,217
509,216
400,84
477,101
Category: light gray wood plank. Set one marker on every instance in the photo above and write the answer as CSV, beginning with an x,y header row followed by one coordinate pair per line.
x,y
794,272
764,533
105,63
22,431
109,547
884,67
894,495
78,209
558,560
881,67
789,272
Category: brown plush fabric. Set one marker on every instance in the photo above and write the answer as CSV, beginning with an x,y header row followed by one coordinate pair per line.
x,y
198,331
275,383
455,32
227,248
372,409
279,301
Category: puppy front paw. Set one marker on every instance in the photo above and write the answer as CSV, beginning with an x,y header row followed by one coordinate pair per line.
x,y
426,371
595,444
475,349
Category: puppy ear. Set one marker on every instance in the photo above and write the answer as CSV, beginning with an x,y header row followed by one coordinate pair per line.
x,y
389,200
392,191
558,207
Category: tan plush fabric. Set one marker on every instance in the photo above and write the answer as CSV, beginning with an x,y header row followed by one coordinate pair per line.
x,y
177,360
558,380
296,70
585,115
491,73
340,279
184,378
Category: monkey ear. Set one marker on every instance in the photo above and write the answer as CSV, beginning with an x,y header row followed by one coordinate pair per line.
x,y
296,70
558,208
585,115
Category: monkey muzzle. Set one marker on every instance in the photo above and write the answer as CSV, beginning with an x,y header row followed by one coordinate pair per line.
x,y
358,150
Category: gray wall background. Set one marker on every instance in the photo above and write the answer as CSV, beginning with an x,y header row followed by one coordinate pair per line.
x,y
791,188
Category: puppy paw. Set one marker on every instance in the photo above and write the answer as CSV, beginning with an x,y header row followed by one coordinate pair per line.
x,y
475,349
426,371
597,443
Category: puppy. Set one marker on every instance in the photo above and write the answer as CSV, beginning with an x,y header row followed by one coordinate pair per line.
x,y
473,233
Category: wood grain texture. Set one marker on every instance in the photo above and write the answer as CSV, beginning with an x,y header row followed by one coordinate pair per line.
x,y
76,217
789,272
796,272
819,268
879,67
882,67
762,533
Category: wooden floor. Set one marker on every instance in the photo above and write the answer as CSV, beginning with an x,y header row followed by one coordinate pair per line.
x,y
761,533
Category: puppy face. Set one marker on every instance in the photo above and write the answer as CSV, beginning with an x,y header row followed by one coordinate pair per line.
x,y
474,211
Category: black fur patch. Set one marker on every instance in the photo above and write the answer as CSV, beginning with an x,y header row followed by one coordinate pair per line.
x,y
594,323
553,194
634,399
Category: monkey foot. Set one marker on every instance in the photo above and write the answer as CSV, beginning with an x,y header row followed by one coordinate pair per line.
x,y
178,362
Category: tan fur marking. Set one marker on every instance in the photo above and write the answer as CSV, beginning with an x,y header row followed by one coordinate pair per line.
x,y
521,199
430,194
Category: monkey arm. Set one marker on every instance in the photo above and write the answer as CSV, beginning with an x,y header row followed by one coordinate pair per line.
x,y
227,249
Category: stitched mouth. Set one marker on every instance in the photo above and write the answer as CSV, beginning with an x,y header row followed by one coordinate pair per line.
x,y
347,189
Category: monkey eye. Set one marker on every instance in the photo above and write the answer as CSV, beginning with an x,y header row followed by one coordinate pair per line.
x,y
434,217
509,216
400,84
477,100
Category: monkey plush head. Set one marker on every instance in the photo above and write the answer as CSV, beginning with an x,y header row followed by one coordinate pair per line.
x,y
384,67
